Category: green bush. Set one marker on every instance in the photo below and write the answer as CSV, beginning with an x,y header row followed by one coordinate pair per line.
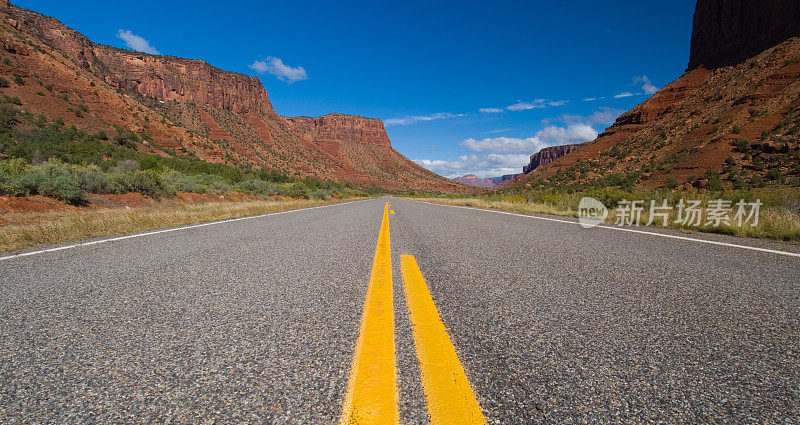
x,y
54,180
775,175
8,116
145,182
3,82
26,184
758,164
741,145
64,187
125,166
93,180
261,187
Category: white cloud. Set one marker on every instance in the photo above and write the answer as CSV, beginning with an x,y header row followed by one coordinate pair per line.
x,y
420,118
491,165
524,106
506,155
276,67
573,133
548,136
603,116
137,43
505,145
647,86
535,104
491,110
623,94
499,130
590,99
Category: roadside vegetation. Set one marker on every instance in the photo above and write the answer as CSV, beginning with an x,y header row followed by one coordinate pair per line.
x,y
49,158
779,215
42,157
29,229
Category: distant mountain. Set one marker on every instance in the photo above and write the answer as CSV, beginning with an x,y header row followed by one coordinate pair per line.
x,y
487,183
503,179
186,107
473,180
731,121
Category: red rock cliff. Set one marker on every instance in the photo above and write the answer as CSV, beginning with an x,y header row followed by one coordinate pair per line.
x,y
727,32
160,77
340,127
185,80
548,155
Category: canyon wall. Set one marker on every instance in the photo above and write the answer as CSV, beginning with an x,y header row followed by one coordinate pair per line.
x,y
335,128
727,32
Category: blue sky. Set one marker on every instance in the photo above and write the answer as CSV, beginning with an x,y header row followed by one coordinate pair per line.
x,y
463,87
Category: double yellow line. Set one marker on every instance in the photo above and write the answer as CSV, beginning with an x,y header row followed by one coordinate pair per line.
x,y
372,396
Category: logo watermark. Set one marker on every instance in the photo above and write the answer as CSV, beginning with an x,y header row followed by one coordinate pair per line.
x,y
693,213
591,212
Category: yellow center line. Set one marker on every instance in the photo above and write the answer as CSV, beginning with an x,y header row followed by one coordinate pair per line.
x,y
372,389
450,398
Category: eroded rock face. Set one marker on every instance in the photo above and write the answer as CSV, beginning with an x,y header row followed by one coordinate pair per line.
x,y
340,127
185,80
727,32
548,155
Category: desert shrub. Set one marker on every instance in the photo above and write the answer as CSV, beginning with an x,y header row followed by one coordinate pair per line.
x,y
775,175
93,180
11,99
125,166
3,82
261,187
736,129
19,80
54,180
8,116
26,184
714,181
758,163
63,187
145,182
741,145
672,183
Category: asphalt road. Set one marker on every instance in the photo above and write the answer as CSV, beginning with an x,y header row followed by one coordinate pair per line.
x,y
257,321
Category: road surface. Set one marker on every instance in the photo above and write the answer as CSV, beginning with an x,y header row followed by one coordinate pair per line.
x,y
273,319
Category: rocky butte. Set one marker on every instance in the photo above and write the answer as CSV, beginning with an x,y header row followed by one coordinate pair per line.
x,y
548,155
187,106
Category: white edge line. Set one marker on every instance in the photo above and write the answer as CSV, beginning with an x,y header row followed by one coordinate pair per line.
x,y
622,229
173,229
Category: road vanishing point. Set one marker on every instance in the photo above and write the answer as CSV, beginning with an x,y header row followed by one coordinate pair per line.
x,y
396,311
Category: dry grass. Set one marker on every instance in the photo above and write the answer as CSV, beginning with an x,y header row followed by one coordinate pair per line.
x,y
774,223
29,229
520,207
